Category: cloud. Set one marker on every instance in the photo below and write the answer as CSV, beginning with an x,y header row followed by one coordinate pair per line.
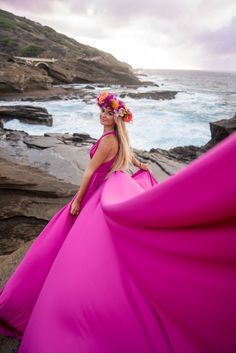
x,y
128,9
122,11
173,34
26,5
221,41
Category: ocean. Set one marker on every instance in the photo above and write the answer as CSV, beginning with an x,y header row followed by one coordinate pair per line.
x,y
203,97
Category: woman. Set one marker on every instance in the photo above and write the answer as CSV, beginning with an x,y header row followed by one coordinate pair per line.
x,y
111,152
144,268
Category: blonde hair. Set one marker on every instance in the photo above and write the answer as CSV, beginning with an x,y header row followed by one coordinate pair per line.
x,y
125,152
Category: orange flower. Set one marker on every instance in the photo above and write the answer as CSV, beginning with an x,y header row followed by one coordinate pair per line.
x,y
114,104
102,97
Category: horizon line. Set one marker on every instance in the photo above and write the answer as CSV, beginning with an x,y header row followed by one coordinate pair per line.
x,y
207,70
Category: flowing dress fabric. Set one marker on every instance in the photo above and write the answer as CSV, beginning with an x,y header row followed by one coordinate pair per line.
x,y
145,267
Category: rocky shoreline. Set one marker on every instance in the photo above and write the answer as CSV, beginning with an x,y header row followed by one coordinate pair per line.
x,y
85,93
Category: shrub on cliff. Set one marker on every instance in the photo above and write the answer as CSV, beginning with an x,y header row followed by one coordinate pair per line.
x,y
31,50
7,22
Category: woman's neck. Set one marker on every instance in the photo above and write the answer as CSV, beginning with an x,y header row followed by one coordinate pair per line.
x,y
105,131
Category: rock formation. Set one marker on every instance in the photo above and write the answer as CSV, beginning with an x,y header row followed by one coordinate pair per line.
x,y
219,130
20,78
157,95
85,93
75,62
26,113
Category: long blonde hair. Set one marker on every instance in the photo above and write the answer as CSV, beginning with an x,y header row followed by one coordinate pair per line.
x,y
125,152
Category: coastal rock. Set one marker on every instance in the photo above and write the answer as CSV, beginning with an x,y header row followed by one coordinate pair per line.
x,y
27,114
39,142
161,164
151,95
31,197
219,130
20,78
186,153
86,94
84,70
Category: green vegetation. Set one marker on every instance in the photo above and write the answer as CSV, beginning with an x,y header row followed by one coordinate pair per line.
x,y
6,22
30,39
55,38
25,26
53,35
31,50
92,52
9,42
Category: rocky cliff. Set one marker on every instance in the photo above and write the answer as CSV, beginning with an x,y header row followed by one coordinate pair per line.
x,y
76,62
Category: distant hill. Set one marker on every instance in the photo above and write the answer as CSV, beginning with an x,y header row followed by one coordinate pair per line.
x,y
77,62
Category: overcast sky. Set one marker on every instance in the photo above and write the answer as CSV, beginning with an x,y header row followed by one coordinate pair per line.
x,y
177,34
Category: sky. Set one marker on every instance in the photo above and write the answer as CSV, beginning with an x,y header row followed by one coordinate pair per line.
x,y
147,34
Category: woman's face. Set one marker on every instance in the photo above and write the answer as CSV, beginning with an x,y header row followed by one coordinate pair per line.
x,y
107,117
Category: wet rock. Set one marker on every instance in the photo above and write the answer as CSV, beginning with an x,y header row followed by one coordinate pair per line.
x,y
39,142
89,87
220,130
27,114
86,94
157,95
30,198
185,153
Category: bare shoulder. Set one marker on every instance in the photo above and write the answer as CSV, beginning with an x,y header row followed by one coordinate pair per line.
x,y
109,140
110,146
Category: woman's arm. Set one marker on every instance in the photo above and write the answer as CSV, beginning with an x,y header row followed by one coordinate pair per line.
x,y
138,164
135,161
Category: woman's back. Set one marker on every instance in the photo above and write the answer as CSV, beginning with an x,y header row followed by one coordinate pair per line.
x,y
109,160
99,174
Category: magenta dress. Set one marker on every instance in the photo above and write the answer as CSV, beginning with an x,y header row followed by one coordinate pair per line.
x,y
144,267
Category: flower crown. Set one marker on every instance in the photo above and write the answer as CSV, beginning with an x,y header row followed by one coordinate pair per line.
x,y
108,100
